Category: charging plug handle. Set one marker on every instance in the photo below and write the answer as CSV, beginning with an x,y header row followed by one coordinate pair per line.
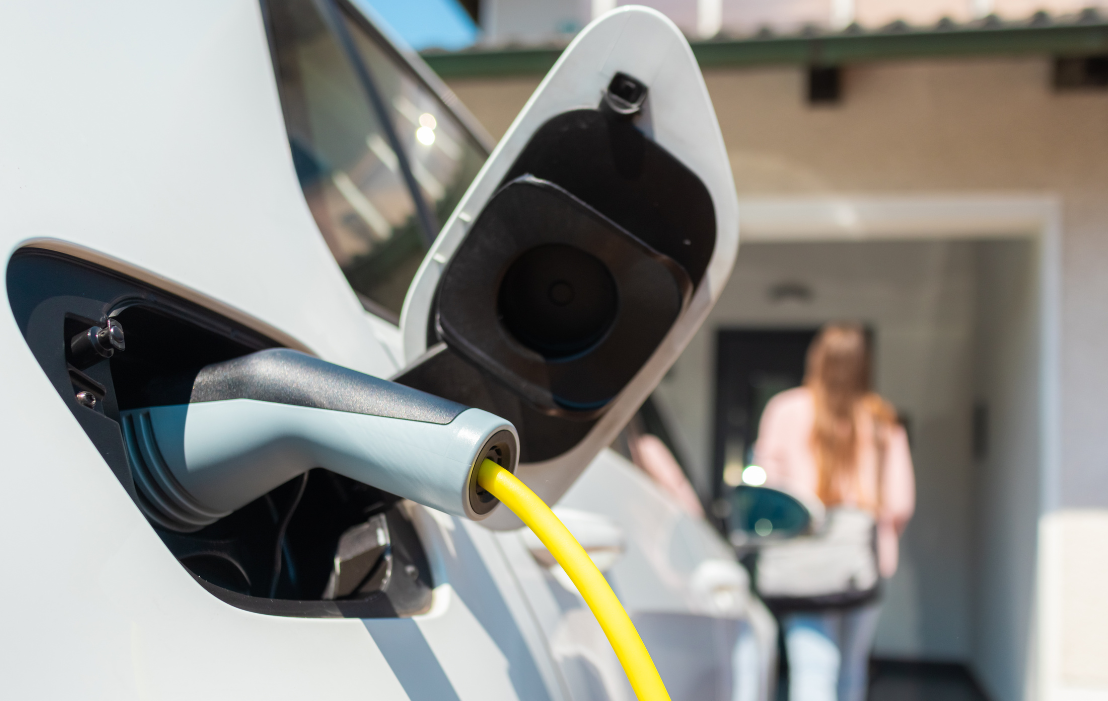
x,y
256,422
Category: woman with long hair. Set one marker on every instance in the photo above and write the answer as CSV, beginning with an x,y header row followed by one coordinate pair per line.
x,y
836,440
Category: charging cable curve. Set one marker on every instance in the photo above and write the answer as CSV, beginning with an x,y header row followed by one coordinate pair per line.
x,y
594,589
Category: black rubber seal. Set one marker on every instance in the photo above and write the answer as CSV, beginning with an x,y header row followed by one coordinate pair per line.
x,y
498,307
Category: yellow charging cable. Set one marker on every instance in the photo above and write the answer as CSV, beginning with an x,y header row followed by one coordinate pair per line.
x,y
621,633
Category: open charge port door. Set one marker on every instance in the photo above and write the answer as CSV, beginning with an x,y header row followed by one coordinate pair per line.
x,y
586,253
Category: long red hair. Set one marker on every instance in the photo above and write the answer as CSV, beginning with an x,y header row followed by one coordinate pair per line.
x,y
838,376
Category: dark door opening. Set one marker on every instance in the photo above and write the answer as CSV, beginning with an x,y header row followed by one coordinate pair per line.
x,y
752,365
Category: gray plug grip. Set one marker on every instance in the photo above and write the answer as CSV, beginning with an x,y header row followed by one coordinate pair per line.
x,y
195,463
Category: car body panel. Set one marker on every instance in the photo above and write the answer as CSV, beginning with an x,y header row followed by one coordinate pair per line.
x,y
176,170
148,138
177,165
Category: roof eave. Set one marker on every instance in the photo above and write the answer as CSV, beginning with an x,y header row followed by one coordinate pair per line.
x,y
821,49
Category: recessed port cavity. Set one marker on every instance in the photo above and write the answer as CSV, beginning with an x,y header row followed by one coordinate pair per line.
x,y
169,344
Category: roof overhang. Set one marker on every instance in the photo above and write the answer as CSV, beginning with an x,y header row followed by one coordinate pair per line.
x,y
812,49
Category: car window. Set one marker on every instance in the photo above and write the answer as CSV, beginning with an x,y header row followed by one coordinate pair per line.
x,y
444,157
348,171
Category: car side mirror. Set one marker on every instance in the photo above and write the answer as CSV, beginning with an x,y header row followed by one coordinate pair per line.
x,y
762,512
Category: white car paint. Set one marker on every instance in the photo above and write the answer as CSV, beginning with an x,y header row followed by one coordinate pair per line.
x,y
147,137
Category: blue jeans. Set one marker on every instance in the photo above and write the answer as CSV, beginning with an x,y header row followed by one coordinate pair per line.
x,y
829,653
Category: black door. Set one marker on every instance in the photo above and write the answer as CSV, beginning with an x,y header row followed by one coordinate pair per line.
x,y
751,366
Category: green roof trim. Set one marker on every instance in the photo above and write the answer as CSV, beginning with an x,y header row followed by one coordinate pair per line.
x,y
826,49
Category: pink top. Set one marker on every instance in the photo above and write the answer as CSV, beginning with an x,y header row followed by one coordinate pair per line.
x,y
784,451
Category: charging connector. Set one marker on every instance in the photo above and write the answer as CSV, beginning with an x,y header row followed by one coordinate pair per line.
x,y
256,422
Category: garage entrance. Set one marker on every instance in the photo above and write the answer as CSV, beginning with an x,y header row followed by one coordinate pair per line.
x,y
956,327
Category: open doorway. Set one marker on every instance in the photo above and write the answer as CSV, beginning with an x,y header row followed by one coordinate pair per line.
x,y
956,331
752,365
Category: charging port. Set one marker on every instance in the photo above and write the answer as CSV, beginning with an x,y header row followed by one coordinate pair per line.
x,y
278,553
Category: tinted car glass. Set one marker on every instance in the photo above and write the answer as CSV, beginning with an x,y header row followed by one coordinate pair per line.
x,y
763,511
444,157
349,173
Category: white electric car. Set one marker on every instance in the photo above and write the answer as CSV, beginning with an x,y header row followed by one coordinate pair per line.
x,y
187,188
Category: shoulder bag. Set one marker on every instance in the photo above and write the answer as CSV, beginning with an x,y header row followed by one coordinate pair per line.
x,y
835,567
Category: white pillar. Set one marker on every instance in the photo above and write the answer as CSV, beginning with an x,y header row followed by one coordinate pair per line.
x,y
709,17
842,13
600,7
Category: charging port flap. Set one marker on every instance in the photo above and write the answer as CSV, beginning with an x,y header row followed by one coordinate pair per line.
x,y
585,255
